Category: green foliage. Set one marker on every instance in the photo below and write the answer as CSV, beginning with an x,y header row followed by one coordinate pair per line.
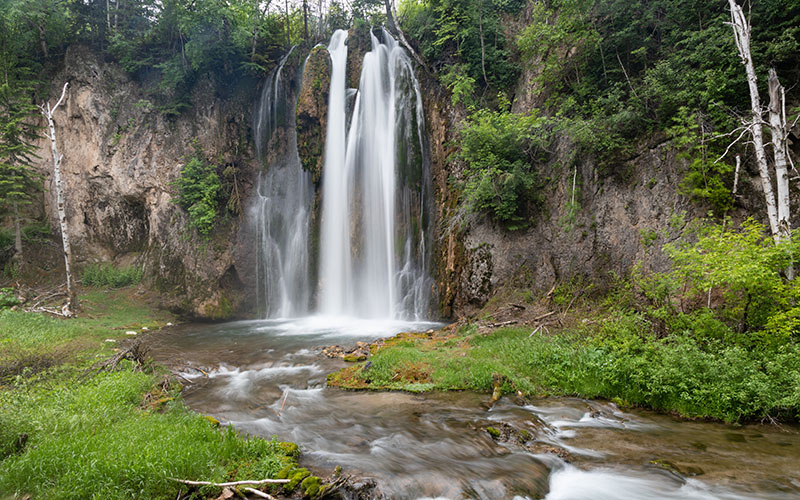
x,y
37,232
560,37
199,189
6,239
8,298
461,85
501,150
467,32
705,179
620,359
744,265
109,276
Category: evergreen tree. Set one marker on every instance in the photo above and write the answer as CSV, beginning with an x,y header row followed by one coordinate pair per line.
x,y
18,129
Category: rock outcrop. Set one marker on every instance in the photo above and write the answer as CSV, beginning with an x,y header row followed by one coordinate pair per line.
x,y
121,157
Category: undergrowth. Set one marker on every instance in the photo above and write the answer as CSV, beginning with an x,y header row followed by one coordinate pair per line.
x,y
110,276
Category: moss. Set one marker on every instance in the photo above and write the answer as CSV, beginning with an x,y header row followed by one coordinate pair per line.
x,y
495,433
295,475
353,358
213,421
223,309
290,449
312,487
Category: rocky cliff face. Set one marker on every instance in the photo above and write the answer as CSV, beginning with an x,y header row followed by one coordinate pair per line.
x,y
615,221
120,159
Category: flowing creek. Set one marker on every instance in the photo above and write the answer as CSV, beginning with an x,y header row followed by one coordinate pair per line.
x,y
268,378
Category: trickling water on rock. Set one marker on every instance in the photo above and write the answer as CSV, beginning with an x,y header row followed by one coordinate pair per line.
x,y
281,209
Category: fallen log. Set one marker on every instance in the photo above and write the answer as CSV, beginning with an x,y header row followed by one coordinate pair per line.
x,y
232,483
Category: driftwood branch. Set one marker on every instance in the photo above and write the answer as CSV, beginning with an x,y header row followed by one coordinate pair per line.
x,y
259,493
232,483
502,323
543,316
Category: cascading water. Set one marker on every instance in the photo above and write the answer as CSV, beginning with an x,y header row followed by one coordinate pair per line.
x,y
376,187
281,210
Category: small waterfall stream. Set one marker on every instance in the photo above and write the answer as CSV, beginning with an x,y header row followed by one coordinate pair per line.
x,y
281,211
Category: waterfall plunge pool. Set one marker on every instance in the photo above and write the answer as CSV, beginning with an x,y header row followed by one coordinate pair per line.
x,y
268,378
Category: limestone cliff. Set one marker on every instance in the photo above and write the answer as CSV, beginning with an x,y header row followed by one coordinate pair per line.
x,y
121,157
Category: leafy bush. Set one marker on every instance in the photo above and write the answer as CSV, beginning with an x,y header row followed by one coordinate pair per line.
x,y
743,265
500,149
6,239
621,358
8,298
199,188
107,275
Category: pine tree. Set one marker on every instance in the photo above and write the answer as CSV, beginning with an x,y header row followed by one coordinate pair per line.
x,y
18,131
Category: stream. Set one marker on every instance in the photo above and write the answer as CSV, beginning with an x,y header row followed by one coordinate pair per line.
x,y
268,378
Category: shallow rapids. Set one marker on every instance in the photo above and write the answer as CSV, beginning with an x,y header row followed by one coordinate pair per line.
x,y
268,378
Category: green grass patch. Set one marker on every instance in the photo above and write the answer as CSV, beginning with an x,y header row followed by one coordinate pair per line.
x,y
32,342
620,360
93,440
110,276
123,434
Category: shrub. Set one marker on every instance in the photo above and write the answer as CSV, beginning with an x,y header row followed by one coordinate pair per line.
x,y
199,188
106,275
8,298
501,149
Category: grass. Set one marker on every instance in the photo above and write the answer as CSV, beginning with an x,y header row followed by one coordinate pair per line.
x,y
31,343
93,440
110,276
121,434
619,360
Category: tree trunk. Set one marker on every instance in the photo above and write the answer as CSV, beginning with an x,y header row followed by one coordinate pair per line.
x,y
741,32
305,18
288,34
779,132
17,235
42,39
72,298
483,48
391,17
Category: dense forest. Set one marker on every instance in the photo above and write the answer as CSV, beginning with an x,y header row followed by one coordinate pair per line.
x,y
538,115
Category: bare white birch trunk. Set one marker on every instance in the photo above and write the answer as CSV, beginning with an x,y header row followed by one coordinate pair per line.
x,y
779,132
778,129
72,299
741,32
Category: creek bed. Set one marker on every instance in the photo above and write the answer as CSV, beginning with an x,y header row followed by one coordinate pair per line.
x,y
268,378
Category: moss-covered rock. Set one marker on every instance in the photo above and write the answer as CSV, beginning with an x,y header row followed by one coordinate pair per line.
x,y
294,474
291,449
312,111
312,487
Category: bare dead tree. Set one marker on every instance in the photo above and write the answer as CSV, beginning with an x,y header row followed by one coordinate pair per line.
x,y
741,33
72,298
778,208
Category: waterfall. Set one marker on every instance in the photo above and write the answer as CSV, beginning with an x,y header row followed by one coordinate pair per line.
x,y
374,262
281,209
